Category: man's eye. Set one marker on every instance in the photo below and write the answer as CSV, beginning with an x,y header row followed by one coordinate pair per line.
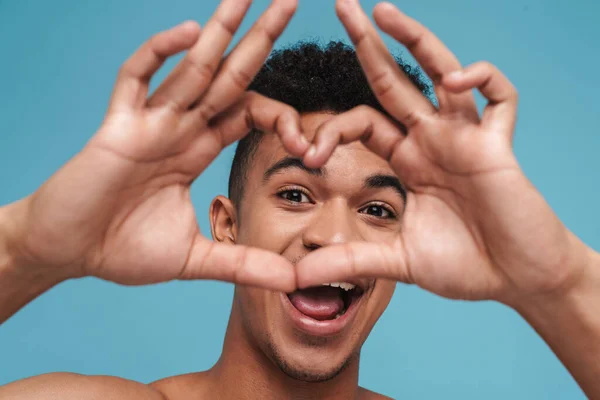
x,y
377,211
295,196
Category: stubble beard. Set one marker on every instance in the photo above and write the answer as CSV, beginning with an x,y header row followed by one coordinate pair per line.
x,y
306,374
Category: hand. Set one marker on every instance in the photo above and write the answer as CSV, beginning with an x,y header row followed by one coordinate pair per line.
x,y
474,227
121,209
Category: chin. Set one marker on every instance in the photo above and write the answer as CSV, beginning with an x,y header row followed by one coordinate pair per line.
x,y
310,365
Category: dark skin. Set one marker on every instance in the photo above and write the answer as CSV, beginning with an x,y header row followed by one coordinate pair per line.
x,y
333,207
473,227
142,193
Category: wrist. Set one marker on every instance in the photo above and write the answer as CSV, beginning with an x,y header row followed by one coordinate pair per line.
x,y
15,260
20,281
8,228
573,296
569,322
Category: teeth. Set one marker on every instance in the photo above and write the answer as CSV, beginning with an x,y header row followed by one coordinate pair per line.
x,y
343,285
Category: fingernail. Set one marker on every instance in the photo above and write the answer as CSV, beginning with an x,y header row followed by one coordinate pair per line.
x,y
455,75
311,151
290,125
346,5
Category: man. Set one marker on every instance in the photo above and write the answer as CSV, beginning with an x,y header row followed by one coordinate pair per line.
x,y
416,193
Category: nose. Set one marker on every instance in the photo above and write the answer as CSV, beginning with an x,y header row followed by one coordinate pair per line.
x,y
332,224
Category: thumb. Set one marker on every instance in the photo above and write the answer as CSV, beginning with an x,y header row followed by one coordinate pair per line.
x,y
354,260
238,264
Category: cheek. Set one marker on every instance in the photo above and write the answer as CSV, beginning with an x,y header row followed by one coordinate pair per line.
x,y
381,298
379,234
268,227
387,290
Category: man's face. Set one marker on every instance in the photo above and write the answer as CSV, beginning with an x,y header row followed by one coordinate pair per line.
x,y
313,334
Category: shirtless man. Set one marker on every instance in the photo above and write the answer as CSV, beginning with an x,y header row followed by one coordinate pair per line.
x,y
463,223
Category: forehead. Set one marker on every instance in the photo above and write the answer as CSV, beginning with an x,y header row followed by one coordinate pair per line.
x,y
351,160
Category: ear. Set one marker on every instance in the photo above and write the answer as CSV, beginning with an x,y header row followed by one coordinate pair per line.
x,y
223,220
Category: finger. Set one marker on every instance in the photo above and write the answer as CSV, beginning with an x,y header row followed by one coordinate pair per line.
x,y
433,56
394,90
131,88
501,112
256,111
375,130
246,59
253,111
352,260
194,73
239,264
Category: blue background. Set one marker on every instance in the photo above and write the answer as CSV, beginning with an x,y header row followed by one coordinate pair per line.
x,y
59,60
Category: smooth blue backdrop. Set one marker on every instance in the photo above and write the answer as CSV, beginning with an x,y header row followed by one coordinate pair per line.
x,y
59,60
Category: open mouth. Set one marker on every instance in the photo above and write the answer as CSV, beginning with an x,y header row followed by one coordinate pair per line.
x,y
327,302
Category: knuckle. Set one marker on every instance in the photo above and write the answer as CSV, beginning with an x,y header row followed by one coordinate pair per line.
x,y
152,42
271,35
513,94
249,118
351,259
240,78
157,46
267,31
241,264
325,131
411,119
394,148
382,84
125,69
416,38
227,25
206,111
487,66
288,113
276,123
205,71
367,133
364,110
253,95
251,99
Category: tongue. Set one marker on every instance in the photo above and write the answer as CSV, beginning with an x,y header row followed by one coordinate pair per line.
x,y
320,303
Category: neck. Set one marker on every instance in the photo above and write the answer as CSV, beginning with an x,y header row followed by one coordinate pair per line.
x,y
245,372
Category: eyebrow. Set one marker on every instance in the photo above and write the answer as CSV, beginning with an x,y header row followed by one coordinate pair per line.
x,y
288,163
379,181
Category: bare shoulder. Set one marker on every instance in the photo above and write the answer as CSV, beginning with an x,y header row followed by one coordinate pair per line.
x,y
180,386
199,383
366,394
67,386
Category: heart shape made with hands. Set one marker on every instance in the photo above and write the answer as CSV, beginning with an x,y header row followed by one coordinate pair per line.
x,y
474,227
463,235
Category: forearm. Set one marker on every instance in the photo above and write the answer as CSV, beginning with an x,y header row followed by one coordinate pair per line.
x,y
570,325
19,283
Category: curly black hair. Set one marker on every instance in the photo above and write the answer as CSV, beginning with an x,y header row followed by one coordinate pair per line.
x,y
311,78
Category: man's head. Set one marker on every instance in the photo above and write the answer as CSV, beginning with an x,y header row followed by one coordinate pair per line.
x,y
278,204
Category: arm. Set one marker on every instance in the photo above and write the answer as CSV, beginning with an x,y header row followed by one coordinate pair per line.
x,y
474,226
121,208
127,192
64,386
18,284
570,324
